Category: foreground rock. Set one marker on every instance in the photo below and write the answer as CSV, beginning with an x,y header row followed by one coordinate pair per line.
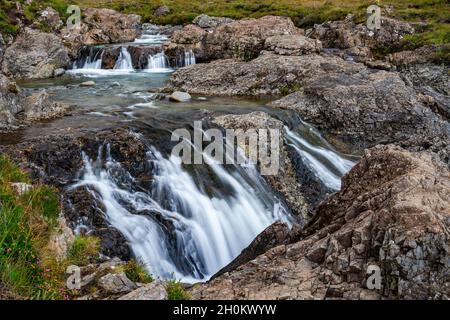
x,y
151,291
35,55
268,74
284,180
393,212
243,39
370,108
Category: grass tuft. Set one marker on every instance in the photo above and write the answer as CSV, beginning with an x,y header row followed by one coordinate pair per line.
x,y
176,291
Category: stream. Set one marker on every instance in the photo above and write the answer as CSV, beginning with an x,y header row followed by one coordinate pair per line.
x,y
193,220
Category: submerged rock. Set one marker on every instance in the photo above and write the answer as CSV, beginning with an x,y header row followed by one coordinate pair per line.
x,y
392,212
35,55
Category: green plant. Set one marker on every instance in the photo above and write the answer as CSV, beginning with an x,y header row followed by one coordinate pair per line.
x,y
176,291
136,272
83,250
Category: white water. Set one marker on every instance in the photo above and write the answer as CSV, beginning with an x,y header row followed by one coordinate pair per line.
x,y
151,39
327,164
201,232
124,61
158,63
189,58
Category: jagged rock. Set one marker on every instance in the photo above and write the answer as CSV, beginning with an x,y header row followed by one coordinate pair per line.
x,y
161,11
268,74
35,55
152,291
206,22
39,106
392,211
284,180
179,96
369,108
292,45
243,39
100,26
357,38
114,283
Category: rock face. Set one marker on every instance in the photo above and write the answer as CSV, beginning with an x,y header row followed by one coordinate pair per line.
x,y
392,212
284,181
35,55
100,26
357,39
370,108
292,45
243,39
206,22
268,74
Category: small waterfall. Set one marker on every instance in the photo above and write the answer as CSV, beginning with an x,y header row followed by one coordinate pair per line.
x,y
326,163
181,229
124,61
90,59
189,58
158,63
151,39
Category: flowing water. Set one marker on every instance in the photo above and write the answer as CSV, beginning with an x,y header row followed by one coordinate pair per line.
x,y
194,219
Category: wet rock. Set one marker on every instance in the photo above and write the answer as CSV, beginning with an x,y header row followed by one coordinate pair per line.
x,y
114,283
284,180
87,84
392,211
292,45
179,96
59,72
39,106
206,22
367,109
35,55
152,291
268,74
10,103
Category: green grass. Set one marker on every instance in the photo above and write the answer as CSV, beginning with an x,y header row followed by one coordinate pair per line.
x,y
83,250
176,291
136,272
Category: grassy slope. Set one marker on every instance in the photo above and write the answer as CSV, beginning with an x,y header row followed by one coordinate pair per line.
x,y
303,12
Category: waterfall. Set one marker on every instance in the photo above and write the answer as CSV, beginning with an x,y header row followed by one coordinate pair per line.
x,y
151,39
181,229
158,63
91,59
325,162
124,61
189,58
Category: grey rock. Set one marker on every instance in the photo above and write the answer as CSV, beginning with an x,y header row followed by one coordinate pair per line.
x,y
179,96
87,84
162,11
35,55
58,72
152,291
292,45
206,22
114,283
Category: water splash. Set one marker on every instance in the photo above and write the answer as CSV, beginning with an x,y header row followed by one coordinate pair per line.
x,y
124,61
158,63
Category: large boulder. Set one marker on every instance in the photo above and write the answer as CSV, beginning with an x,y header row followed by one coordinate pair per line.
x,y
39,106
35,55
393,212
243,39
357,39
292,45
206,22
268,74
370,108
100,26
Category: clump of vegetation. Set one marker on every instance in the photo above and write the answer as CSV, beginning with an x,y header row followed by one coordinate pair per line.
x,y
83,250
136,272
176,291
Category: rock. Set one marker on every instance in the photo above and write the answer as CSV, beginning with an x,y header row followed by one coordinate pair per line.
x,y
10,103
2,47
161,11
114,283
152,291
285,179
392,211
60,241
21,188
179,96
367,109
87,84
100,26
206,22
268,74
39,106
357,38
50,18
59,72
292,45
35,55
243,39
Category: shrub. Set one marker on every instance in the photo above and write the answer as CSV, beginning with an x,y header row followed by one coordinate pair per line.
x,y
176,291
